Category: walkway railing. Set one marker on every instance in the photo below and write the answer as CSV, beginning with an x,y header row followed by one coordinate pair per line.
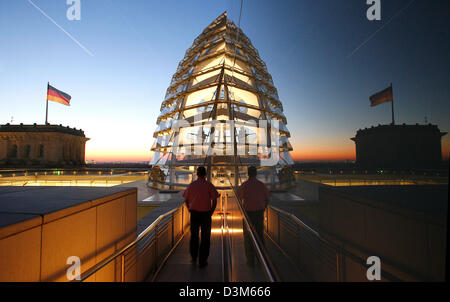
x,y
144,256
308,252
318,258
233,209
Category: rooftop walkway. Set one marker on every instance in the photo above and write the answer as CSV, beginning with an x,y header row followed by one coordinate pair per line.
x,y
291,248
179,268
231,247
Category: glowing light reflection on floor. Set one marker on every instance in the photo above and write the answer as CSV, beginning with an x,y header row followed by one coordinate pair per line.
x,y
220,230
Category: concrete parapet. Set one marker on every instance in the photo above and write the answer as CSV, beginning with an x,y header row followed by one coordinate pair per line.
x,y
405,226
40,227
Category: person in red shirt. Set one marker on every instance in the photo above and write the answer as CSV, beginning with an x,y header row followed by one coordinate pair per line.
x,y
201,200
255,198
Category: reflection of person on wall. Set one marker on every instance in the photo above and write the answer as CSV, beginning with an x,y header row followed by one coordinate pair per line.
x,y
201,200
255,198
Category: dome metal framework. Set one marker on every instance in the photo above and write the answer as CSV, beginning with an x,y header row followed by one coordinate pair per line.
x,y
221,111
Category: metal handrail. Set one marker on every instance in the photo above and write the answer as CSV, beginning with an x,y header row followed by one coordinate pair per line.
x,y
340,251
226,244
298,221
106,261
262,254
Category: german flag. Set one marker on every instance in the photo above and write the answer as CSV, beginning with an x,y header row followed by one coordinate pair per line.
x,y
58,96
382,97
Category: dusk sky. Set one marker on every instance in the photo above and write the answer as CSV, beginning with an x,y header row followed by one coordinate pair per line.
x,y
129,50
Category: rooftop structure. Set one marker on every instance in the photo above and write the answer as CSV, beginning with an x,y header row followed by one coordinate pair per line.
x,y
41,128
222,111
41,145
399,146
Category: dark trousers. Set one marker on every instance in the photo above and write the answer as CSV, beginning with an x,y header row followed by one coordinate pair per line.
x,y
257,220
200,220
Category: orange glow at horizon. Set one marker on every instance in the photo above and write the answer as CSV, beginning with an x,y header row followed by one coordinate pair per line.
x,y
323,150
298,154
110,156
322,155
446,152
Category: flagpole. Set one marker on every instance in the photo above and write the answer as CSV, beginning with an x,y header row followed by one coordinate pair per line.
x,y
46,107
392,106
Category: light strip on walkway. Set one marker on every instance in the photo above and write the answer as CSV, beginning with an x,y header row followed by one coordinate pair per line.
x,y
219,217
220,230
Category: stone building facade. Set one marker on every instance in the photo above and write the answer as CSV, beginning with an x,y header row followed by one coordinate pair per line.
x,y
399,146
41,145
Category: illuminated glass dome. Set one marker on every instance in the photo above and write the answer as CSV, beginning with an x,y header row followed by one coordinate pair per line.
x,y
221,111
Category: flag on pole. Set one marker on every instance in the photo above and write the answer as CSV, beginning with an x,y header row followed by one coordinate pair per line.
x,y
382,97
58,96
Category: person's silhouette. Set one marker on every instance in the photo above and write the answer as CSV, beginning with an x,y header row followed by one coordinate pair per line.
x,y
255,197
201,200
